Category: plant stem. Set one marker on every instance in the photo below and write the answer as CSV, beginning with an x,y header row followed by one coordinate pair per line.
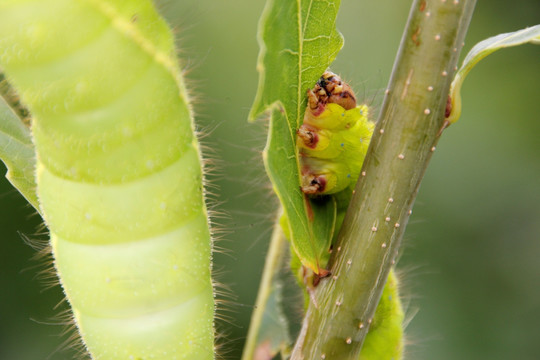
x,y
407,130
272,268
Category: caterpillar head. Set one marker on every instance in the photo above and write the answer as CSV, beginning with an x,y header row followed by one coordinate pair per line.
x,y
330,89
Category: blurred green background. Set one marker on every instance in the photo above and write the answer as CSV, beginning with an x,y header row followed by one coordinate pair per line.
x,y
471,260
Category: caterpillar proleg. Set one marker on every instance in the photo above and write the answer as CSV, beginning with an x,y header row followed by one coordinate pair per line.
x,y
118,171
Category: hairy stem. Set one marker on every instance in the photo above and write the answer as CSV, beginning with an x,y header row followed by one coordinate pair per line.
x,y
407,130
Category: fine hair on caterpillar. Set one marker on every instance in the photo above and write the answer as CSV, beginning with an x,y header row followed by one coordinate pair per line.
x,y
253,180
221,222
70,345
61,320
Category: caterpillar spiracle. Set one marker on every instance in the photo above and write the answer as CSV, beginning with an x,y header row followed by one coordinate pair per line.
x,y
118,171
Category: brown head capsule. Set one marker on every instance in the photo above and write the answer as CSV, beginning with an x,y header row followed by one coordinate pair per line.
x,y
344,98
337,91
330,89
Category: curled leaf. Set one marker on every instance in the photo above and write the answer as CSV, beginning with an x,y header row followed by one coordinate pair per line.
x,y
480,51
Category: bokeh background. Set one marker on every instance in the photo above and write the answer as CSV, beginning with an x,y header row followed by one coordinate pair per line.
x,y
471,258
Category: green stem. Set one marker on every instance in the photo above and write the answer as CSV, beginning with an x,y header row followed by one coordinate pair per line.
x,y
407,130
272,268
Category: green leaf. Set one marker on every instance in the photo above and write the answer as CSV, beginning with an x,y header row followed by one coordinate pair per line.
x,y
480,51
298,41
17,153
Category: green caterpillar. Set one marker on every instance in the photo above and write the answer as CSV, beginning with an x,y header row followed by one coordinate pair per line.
x,y
118,171
333,142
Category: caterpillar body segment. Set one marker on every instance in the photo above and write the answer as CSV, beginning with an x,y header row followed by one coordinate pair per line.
x,y
319,140
118,173
334,116
328,138
322,176
384,340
